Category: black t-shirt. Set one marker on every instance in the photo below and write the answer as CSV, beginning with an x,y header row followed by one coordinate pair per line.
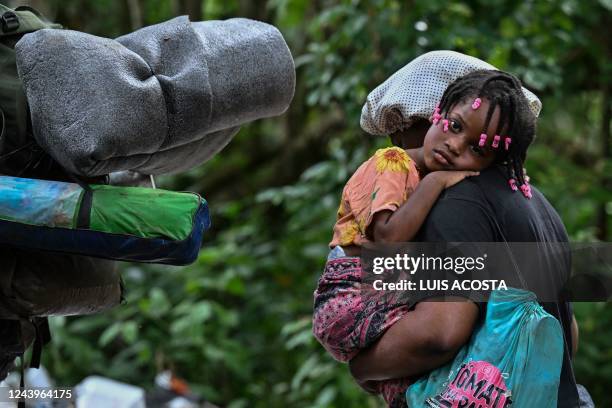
x,y
485,209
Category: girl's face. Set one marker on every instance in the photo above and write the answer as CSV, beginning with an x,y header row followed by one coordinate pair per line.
x,y
457,149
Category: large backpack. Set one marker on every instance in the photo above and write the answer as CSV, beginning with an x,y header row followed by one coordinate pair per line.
x,y
36,284
19,154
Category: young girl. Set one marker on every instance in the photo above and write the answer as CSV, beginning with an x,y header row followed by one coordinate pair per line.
x,y
483,119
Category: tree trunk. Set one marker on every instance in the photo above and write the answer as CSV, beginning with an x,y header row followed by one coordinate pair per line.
x,y
135,12
193,8
255,9
606,150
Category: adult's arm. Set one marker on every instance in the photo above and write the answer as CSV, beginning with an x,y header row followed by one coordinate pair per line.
x,y
432,333
424,339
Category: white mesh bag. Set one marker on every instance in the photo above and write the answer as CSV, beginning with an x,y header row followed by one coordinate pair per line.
x,y
414,91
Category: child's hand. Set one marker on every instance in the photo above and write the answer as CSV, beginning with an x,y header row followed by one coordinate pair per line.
x,y
450,178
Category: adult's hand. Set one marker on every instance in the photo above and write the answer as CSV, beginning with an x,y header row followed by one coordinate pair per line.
x,y
426,338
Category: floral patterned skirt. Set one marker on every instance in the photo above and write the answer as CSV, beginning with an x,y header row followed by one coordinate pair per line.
x,y
348,317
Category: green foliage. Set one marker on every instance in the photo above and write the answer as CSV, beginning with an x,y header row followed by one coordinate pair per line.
x,y
236,324
594,358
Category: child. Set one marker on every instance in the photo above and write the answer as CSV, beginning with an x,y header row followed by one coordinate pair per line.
x,y
483,119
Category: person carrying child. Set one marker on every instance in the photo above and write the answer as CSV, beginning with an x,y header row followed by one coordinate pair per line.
x,y
484,118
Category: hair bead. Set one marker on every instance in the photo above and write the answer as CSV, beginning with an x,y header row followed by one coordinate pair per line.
x,y
476,103
507,141
512,183
435,117
526,190
483,139
445,128
495,143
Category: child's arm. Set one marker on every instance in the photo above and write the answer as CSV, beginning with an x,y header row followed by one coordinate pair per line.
x,y
404,223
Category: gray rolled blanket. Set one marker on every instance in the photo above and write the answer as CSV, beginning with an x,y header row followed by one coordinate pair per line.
x,y
162,99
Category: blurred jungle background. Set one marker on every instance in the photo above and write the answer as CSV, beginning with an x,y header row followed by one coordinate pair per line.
x,y
236,324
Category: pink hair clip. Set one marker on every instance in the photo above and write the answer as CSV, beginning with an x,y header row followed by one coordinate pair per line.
x,y
495,143
445,122
507,141
483,139
435,117
526,190
512,183
476,103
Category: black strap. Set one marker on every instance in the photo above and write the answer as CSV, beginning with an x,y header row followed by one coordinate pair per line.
x,y
84,215
43,336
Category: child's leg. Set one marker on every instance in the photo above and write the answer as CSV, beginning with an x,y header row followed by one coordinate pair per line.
x,y
345,322
337,302
346,318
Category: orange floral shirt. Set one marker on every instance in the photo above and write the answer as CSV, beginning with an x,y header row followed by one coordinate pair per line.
x,y
384,182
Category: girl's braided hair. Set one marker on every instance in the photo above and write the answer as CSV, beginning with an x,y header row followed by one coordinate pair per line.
x,y
516,120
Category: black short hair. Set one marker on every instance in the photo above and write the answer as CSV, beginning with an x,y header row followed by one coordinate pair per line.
x,y
516,120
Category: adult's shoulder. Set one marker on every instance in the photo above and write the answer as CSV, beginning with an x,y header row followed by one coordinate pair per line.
x,y
485,208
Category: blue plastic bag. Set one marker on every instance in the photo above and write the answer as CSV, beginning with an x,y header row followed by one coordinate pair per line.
x,y
513,360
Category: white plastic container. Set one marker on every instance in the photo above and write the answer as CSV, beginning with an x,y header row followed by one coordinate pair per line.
x,y
100,392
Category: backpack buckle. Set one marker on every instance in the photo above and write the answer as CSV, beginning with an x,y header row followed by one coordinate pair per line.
x,y
10,21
